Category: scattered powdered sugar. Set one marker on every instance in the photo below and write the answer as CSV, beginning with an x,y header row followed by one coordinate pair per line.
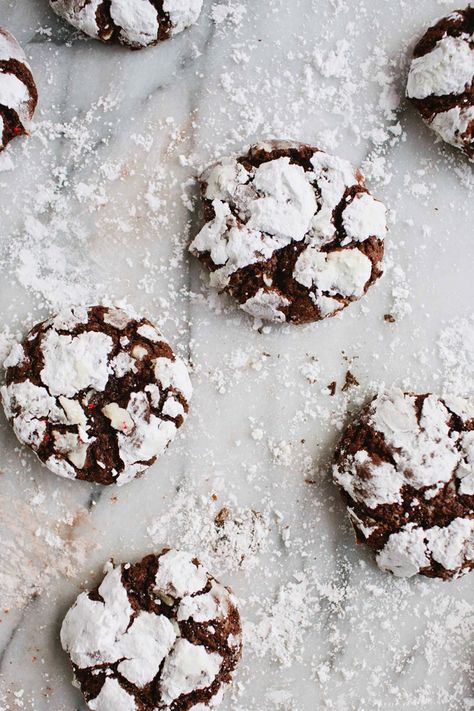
x,y
223,538
456,350
284,622
39,545
104,193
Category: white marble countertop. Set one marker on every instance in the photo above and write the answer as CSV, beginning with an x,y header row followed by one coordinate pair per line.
x,y
95,205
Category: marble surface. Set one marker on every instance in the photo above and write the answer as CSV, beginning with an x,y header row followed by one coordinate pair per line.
x,y
98,205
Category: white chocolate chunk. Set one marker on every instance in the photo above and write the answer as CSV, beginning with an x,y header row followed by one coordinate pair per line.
x,y
119,417
74,413
139,352
149,332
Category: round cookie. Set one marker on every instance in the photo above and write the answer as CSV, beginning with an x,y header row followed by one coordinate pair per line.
x,y
18,93
96,393
441,79
159,634
291,232
405,468
134,23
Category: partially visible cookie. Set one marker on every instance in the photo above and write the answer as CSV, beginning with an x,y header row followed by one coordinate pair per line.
x,y
134,23
96,393
405,468
291,232
441,79
18,93
159,634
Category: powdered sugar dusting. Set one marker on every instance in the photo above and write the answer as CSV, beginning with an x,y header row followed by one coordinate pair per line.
x,y
102,629
135,23
101,210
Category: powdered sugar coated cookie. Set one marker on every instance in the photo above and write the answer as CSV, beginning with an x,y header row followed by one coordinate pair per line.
x,y
159,634
18,93
96,393
441,79
135,23
292,233
405,468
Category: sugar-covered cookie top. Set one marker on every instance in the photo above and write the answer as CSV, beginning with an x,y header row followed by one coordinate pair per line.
x,y
291,225
135,23
164,625
97,393
406,467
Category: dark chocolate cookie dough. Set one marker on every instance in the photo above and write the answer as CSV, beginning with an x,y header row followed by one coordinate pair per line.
x,y
159,634
441,79
405,468
96,393
18,93
135,23
291,232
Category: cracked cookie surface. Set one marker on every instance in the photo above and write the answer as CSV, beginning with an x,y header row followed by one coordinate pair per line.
x,y
18,93
441,79
96,393
291,232
158,634
405,468
134,23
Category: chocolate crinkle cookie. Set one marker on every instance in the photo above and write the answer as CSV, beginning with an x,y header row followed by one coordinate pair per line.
x,y
441,79
406,472
291,232
18,93
158,635
97,393
135,23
